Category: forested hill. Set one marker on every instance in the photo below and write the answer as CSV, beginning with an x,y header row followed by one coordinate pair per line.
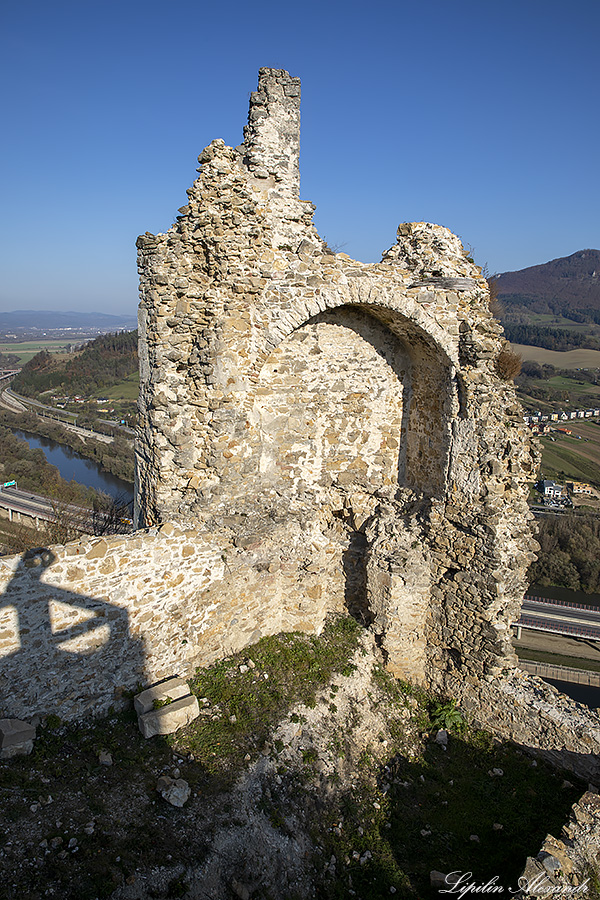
x,y
569,286
103,362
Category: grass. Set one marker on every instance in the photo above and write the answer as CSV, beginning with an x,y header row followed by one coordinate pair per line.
x,y
588,393
560,460
569,359
415,815
279,672
210,752
128,389
408,808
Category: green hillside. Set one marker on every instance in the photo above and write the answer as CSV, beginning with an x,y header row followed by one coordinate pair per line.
x,y
105,361
555,305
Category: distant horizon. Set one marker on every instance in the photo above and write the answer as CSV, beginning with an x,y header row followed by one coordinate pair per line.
x,y
76,312
133,313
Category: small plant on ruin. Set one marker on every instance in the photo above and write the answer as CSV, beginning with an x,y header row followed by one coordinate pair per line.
x,y
447,716
508,364
158,704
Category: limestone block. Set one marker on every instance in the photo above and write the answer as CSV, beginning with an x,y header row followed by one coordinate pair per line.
x,y
173,689
175,791
16,738
169,718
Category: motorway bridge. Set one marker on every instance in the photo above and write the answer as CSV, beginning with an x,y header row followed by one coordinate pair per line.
x,y
559,617
16,505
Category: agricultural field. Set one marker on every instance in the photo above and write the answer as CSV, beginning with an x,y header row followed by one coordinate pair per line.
x,y
28,349
558,394
128,389
569,359
549,320
573,457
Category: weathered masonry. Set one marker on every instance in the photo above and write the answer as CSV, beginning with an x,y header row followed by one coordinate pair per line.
x,y
316,434
287,389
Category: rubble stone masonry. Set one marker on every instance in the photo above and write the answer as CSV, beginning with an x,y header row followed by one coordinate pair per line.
x,y
315,434
283,383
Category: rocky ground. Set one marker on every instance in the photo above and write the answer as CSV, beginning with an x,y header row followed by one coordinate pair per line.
x,y
311,774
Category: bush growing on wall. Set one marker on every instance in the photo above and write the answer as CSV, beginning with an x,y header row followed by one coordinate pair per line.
x,y
508,364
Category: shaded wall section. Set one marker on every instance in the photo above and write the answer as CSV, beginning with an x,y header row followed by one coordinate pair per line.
x,y
84,622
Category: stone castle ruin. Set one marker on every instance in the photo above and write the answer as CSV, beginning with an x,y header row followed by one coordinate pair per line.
x,y
315,435
341,419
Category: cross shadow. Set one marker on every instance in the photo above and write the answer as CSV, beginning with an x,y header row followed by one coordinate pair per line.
x,y
61,652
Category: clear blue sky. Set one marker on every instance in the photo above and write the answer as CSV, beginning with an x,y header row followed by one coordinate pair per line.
x,y
479,116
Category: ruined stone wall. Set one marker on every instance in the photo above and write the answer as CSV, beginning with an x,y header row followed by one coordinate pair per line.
x,y
316,435
84,622
284,383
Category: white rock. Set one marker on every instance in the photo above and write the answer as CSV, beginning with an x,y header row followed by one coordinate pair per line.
x,y
174,791
172,688
169,718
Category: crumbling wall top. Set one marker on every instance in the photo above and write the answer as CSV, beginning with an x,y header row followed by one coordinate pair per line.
x,y
272,135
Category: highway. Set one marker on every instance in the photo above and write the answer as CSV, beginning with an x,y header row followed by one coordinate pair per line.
x,y
16,403
559,617
34,506
25,503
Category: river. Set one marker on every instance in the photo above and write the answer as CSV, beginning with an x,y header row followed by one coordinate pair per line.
x,y
583,693
73,466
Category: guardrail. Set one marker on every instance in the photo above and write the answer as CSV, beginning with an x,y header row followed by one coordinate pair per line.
x,y
566,603
561,673
536,624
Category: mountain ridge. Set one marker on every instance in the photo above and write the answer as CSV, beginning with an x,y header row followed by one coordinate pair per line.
x,y
561,286
45,319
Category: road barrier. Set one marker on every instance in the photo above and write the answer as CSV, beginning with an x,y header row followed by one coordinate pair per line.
x,y
561,673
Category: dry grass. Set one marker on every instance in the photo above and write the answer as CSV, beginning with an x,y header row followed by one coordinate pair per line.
x,y
570,359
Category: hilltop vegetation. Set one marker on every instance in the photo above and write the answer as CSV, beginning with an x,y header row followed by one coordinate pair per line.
x,y
313,774
568,286
560,339
8,360
569,553
555,306
105,361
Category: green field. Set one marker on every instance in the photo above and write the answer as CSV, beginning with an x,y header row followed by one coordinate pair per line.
x,y
128,389
570,384
549,320
28,349
574,394
566,457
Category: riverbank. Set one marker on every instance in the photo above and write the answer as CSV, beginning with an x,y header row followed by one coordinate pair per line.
x,y
117,458
74,467
26,463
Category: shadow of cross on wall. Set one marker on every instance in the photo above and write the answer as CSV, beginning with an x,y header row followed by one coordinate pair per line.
x,y
61,652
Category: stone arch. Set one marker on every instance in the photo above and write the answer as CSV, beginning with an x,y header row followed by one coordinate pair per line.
x,y
415,389
403,311
352,411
